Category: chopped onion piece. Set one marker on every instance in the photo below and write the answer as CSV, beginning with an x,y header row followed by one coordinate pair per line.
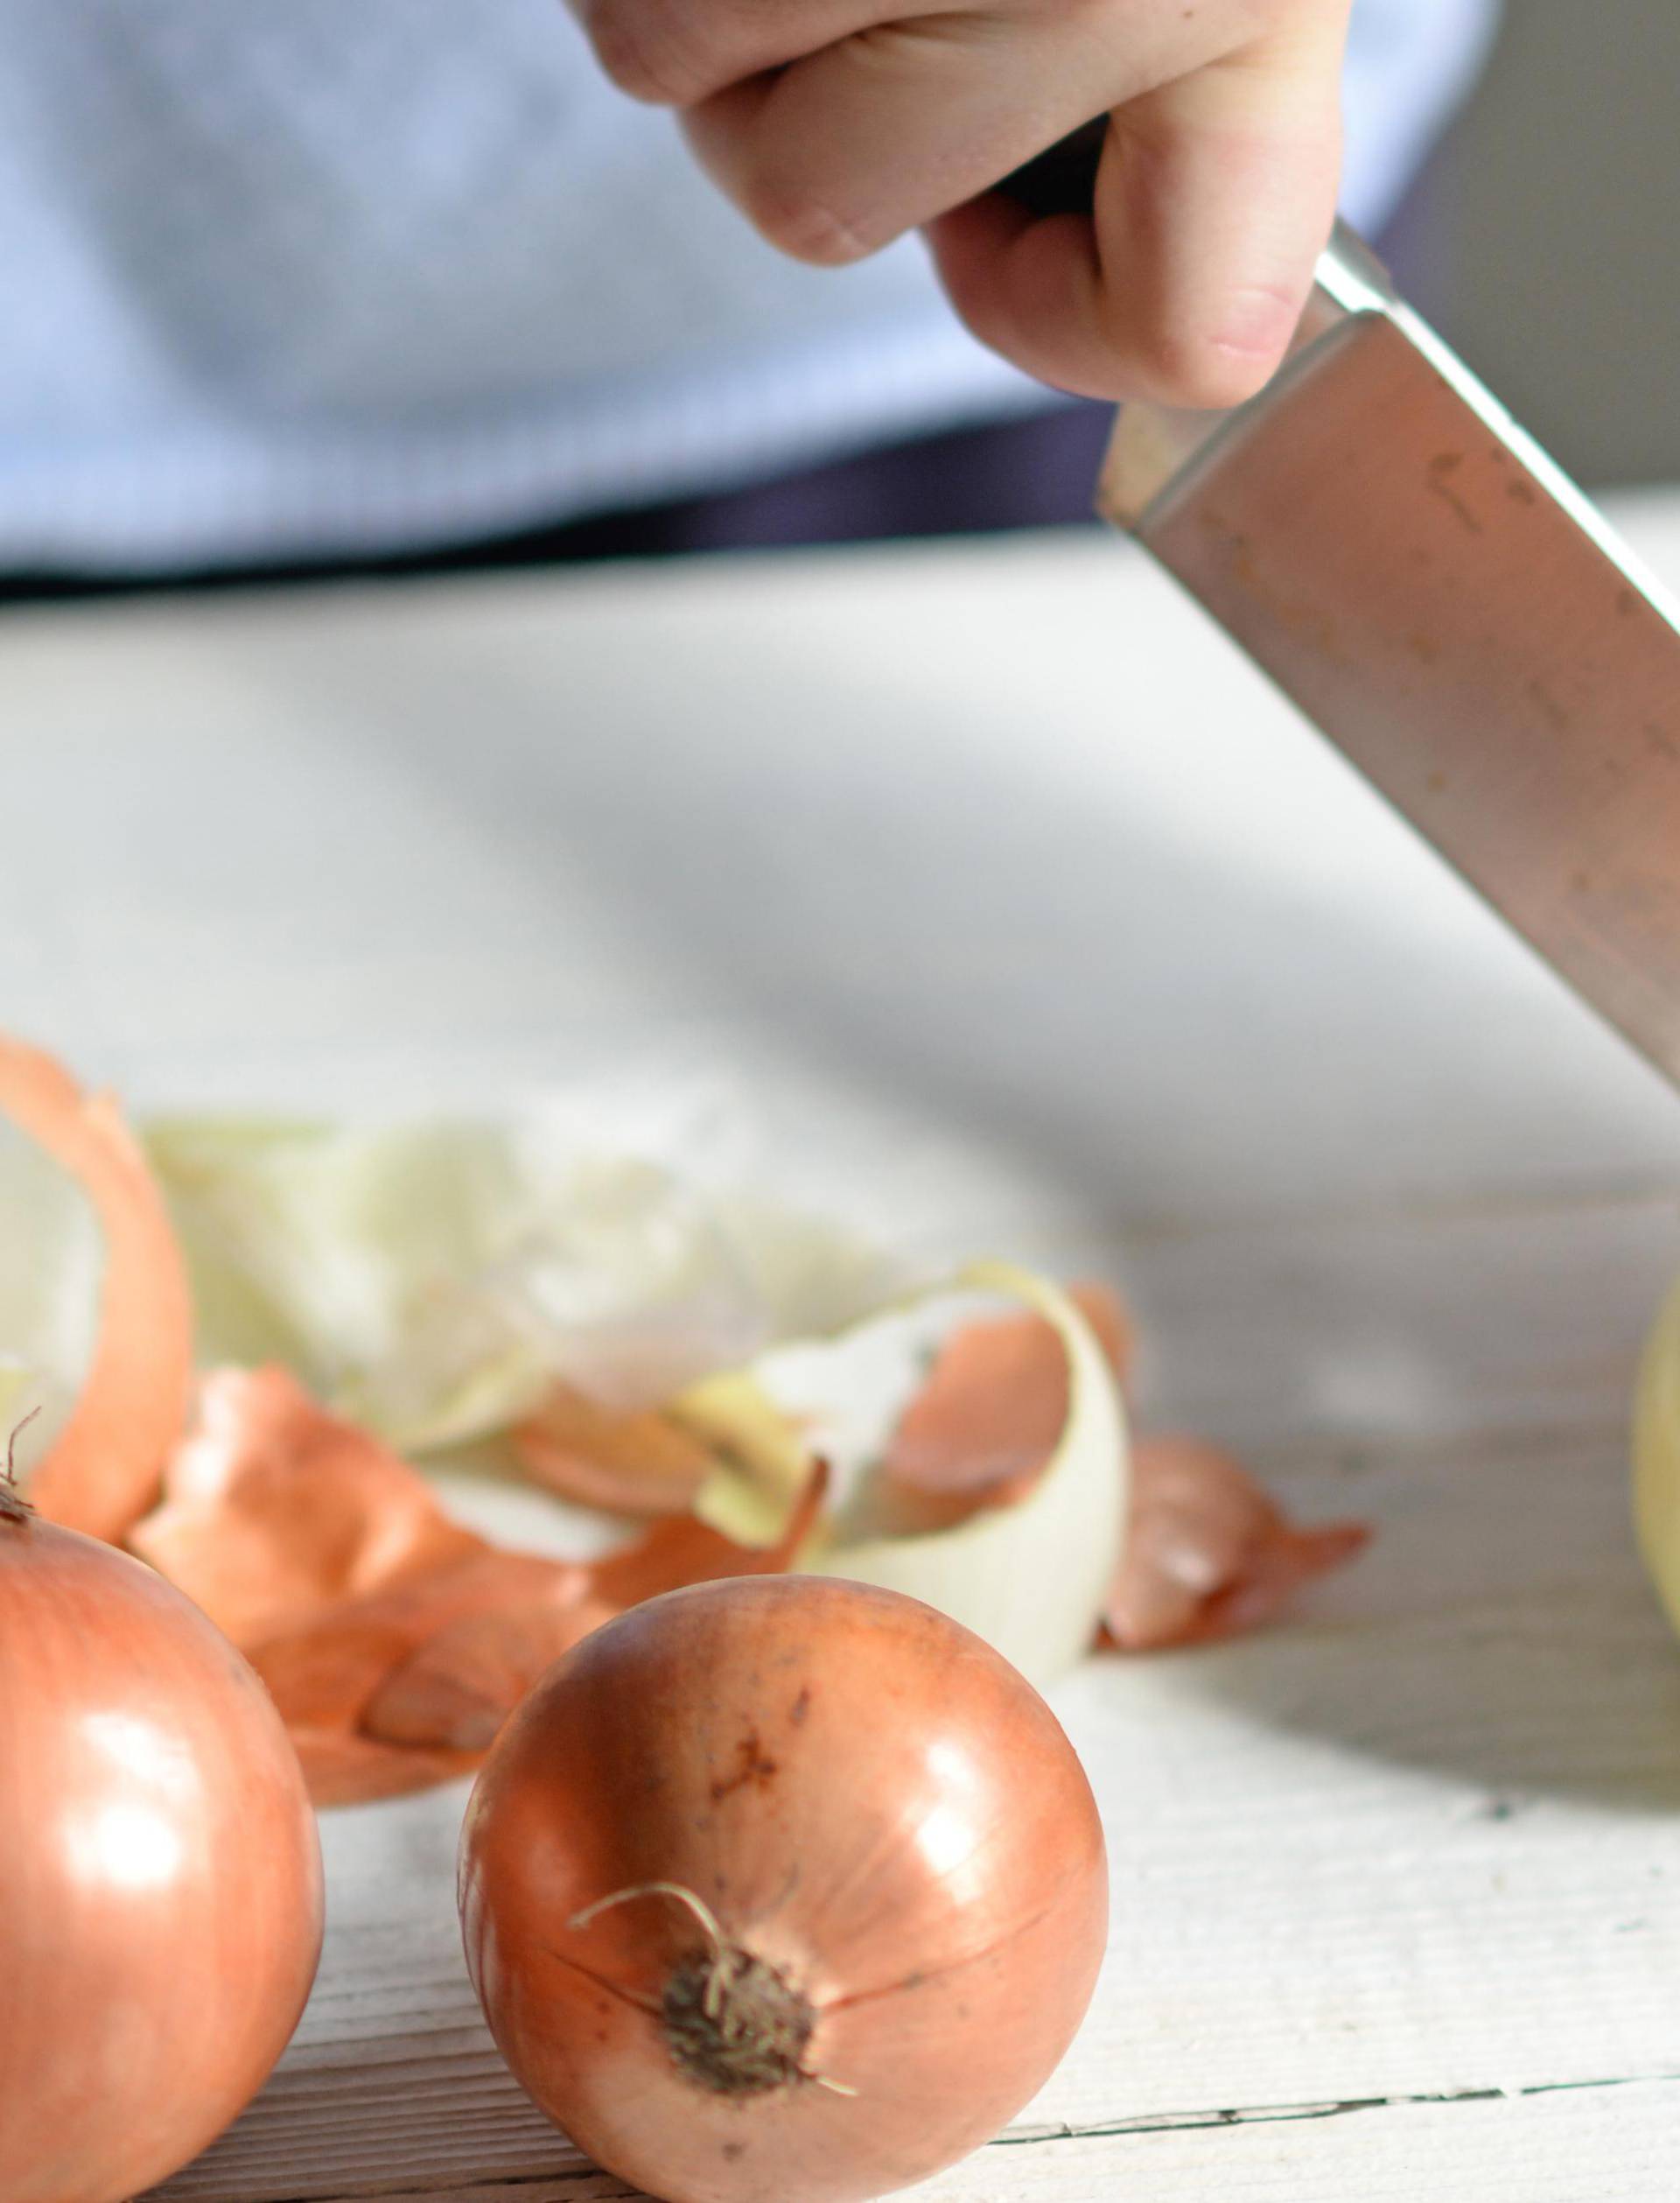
x,y
1031,1578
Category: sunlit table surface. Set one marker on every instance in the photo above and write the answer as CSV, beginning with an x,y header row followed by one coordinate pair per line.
x,y
985,894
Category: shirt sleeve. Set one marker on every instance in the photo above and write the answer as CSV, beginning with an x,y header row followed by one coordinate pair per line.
x,y
1411,64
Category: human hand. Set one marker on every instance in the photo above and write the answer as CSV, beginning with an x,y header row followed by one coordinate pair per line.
x,y
837,125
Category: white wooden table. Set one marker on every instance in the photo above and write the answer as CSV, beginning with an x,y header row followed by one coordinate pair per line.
x,y
1005,908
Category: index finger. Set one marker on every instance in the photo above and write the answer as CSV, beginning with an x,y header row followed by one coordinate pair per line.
x,y
1213,197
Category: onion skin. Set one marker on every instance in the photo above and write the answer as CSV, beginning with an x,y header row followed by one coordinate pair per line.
x,y
104,1469
871,1801
159,1866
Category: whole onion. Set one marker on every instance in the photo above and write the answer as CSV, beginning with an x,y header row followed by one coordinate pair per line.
x,y
782,1887
160,1878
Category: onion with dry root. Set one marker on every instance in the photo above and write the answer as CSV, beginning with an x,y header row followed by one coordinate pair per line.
x,y
782,1886
161,1916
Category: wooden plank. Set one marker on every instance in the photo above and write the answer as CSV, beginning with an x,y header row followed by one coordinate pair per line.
x,y
1559,2147
1548,2146
1034,926
990,868
1332,1329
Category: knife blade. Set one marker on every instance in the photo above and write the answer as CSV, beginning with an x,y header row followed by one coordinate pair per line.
x,y
1439,599
1444,604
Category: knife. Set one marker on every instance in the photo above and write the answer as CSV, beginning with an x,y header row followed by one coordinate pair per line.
x,y
1441,601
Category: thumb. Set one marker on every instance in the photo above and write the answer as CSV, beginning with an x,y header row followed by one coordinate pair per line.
x,y
1185,284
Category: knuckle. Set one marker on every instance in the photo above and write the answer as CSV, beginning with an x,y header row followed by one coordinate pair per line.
x,y
1204,376
652,50
1213,367
799,219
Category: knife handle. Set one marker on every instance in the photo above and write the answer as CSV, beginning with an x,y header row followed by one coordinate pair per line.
x,y
1061,180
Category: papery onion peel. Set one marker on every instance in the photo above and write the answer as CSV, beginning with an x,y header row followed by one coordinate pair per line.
x,y
981,1429
273,1509
394,1642
101,1471
1210,1553
640,1463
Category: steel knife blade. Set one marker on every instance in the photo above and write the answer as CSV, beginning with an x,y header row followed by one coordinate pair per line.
x,y
1437,597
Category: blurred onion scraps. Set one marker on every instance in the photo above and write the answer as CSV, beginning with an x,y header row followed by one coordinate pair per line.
x,y
334,1371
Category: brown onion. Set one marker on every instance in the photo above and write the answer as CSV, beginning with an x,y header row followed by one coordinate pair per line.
x,y
782,1887
160,1875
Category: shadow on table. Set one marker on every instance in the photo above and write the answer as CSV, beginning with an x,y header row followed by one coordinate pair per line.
x,y
995,920
1002,925
1499,1631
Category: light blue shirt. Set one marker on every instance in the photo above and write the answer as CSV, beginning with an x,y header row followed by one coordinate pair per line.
x,y
303,277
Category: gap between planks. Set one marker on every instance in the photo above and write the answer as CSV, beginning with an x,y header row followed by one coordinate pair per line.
x,y
587,2184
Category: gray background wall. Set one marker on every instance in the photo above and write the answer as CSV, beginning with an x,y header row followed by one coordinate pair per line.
x,y
1560,192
